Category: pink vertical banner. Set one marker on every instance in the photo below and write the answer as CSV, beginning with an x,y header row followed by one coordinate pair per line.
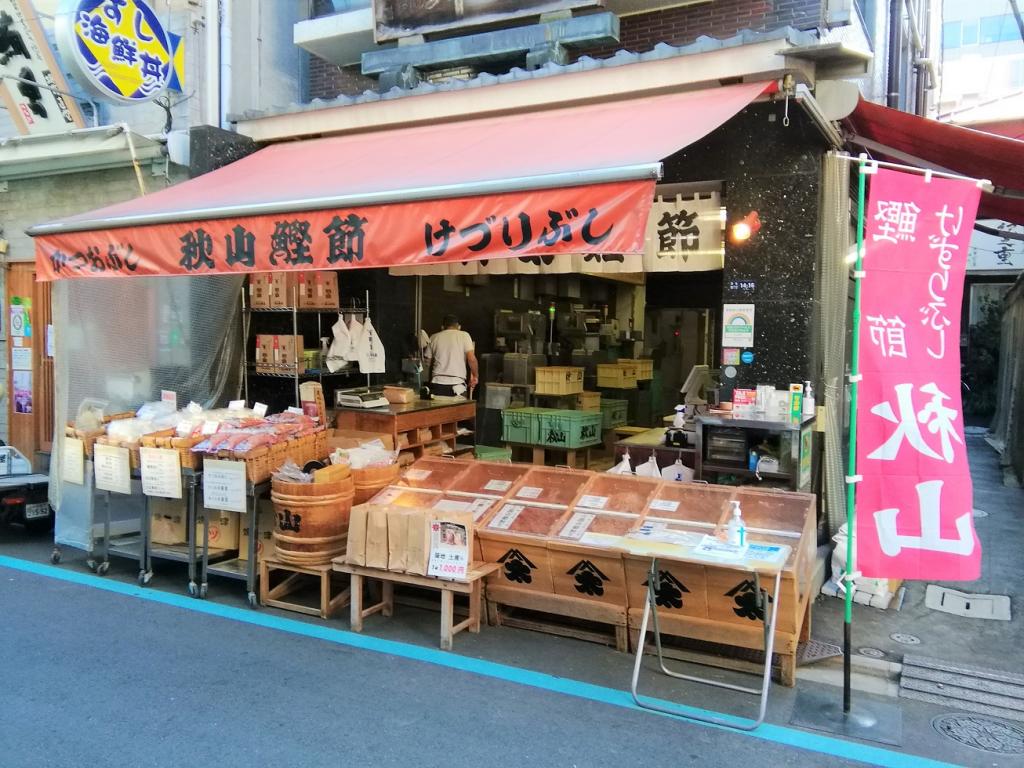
x,y
914,502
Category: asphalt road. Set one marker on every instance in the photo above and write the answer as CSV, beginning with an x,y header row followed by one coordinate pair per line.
x,y
98,677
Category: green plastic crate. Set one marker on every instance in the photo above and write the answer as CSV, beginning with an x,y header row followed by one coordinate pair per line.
x,y
614,413
520,425
492,453
569,429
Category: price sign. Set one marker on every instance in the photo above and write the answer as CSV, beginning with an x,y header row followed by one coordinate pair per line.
x,y
529,492
224,485
236,405
498,485
112,468
260,409
73,466
506,517
664,505
161,472
577,525
167,396
449,550
479,507
593,502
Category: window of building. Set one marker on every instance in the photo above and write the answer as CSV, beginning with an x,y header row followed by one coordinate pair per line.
x,y
969,35
951,32
998,29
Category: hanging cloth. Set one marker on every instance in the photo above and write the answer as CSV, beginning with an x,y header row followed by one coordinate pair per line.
x,y
340,347
370,350
355,334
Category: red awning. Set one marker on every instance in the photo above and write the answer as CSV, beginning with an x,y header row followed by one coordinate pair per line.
x,y
901,137
572,180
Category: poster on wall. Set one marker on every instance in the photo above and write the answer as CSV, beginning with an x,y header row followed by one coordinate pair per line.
x,y
738,325
402,18
21,317
22,385
21,358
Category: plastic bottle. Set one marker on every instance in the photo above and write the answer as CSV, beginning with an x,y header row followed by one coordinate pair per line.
x,y
737,528
809,409
679,420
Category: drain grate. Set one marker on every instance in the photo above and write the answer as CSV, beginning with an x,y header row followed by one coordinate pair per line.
x,y
871,653
905,639
816,650
984,733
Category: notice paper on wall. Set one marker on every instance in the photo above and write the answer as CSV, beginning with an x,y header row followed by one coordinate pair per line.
x,y
73,466
224,485
161,472
21,358
112,467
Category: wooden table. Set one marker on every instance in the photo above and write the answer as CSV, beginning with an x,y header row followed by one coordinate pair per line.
x,y
472,587
406,420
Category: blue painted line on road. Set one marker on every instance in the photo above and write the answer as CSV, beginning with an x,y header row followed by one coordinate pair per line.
x,y
620,698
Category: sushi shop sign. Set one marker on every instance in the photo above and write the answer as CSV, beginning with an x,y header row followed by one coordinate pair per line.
x,y
118,50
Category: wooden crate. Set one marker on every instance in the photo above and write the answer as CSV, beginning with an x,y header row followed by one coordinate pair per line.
x,y
684,586
559,380
644,367
588,401
332,599
615,376
524,560
557,615
588,573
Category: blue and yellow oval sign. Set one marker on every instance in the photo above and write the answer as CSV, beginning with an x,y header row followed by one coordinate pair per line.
x,y
117,49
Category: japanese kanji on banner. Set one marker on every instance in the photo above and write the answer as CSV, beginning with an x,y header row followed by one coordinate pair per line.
x,y
914,502
684,235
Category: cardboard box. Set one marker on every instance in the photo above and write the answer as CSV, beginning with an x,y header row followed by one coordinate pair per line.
x,y
281,289
326,287
377,537
264,354
259,290
168,518
306,289
290,353
355,552
398,521
224,528
353,438
417,541
265,533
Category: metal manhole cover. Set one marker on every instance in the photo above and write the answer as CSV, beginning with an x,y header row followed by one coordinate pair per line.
x,y
871,653
904,639
984,733
980,513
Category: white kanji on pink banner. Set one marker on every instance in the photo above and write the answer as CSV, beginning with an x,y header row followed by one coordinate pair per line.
x,y
914,503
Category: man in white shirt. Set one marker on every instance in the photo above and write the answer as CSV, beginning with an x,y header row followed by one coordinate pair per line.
x,y
453,362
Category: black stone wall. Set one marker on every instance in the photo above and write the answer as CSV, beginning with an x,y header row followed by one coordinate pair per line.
x,y
774,170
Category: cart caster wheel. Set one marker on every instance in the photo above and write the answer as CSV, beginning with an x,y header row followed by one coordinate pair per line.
x,y
202,591
144,578
102,568
91,565
193,588
55,557
252,599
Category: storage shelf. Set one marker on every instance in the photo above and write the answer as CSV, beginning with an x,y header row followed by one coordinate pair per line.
x,y
302,311
305,375
725,469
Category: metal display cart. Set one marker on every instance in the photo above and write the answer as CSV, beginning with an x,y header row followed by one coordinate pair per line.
x,y
237,567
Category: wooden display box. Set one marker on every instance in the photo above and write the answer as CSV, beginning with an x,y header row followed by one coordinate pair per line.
x,y
588,573
524,560
683,589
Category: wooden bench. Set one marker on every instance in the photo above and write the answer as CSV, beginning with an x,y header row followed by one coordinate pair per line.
x,y
472,587
297,576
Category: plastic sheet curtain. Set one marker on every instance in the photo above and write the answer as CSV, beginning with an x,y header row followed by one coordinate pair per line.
x,y
123,341
835,272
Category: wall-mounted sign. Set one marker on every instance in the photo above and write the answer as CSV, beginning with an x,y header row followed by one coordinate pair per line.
x,y
25,54
402,18
115,49
738,325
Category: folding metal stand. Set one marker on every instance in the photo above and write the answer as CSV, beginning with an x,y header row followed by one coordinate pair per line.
x,y
650,606
235,568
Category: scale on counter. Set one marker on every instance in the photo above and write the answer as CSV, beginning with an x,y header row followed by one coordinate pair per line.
x,y
361,397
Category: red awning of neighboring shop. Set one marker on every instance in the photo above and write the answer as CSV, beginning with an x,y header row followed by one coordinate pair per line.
x,y
901,137
571,180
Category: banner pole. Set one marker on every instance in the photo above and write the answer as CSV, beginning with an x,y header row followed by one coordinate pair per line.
x,y
852,458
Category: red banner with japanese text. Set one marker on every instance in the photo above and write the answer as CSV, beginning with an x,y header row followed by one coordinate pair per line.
x,y
600,219
914,501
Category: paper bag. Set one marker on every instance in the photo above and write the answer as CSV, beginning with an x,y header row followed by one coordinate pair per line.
x,y
417,544
397,527
355,553
377,537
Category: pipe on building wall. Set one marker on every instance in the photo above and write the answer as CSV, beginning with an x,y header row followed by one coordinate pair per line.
x,y
225,62
211,75
892,89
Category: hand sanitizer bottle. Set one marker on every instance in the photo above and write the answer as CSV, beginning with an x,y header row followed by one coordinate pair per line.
x,y
737,528
679,420
809,409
